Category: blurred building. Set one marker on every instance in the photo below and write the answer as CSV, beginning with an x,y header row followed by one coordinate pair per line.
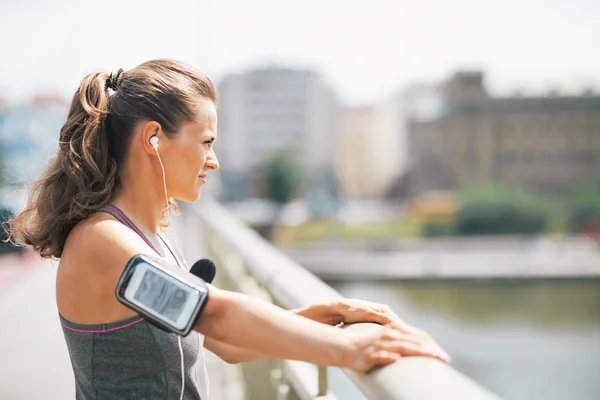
x,y
29,137
548,144
372,149
264,110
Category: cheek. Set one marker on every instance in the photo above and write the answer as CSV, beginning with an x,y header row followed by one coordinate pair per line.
x,y
202,154
185,163
196,159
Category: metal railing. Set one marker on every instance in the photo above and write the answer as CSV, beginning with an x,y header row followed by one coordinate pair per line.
x,y
249,264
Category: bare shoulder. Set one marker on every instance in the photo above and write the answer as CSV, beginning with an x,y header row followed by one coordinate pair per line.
x,y
93,259
102,242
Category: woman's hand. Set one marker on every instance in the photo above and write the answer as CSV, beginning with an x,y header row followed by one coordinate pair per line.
x,y
389,345
396,340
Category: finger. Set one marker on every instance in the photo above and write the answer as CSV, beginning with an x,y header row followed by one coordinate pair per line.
x,y
395,341
395,318
404,327
394,337
415,335
379,317
368,315
389,311
427,339
408,348
411,349
373,312
381,358
392,332
427,342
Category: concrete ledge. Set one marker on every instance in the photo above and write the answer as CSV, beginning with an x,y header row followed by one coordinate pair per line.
x,y
416,378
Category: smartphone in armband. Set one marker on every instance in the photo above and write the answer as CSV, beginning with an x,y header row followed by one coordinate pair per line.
x,y
164,294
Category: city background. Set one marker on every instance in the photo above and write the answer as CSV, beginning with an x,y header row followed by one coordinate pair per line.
x,y
441,157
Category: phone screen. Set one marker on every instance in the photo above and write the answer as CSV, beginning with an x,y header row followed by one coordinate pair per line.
x,y
162,295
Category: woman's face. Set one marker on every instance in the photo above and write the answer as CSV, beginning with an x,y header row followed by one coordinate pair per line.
x,y
188,157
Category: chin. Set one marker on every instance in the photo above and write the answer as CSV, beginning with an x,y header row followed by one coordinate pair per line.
x,y
195,196
190,197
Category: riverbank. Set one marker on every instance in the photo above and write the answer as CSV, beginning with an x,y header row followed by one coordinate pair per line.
x,y
508,258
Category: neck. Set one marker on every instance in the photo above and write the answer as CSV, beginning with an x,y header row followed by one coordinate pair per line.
x,y
142,198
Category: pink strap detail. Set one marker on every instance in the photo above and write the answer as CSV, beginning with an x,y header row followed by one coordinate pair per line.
x,y
126,221
116,328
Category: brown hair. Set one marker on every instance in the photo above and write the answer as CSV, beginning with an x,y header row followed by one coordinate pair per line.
x,y
94,141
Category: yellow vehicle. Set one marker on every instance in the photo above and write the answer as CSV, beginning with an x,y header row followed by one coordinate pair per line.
x,y
432,207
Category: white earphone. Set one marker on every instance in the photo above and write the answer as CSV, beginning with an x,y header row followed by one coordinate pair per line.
x,y
154,142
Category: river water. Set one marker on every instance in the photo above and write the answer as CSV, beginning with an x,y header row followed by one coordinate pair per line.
x,y
522,340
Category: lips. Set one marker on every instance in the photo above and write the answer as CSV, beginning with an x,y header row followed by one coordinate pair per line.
x,y
202,178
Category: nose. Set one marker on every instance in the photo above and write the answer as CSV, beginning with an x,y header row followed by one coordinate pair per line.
x,y
211,161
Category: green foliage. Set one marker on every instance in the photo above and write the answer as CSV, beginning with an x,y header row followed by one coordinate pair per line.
x,y
501,210
586,208
282,176
436,229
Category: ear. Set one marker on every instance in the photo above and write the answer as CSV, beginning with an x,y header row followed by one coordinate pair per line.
x,y
149,129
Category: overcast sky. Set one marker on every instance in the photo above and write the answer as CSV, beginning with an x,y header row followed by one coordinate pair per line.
x,y
364,49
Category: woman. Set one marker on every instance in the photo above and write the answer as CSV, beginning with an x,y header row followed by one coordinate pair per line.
x,y
133,140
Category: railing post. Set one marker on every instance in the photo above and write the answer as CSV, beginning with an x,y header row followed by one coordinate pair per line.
x,y
282,389
323,389
276,377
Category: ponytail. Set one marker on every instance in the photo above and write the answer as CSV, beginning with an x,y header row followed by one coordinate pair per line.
x,y
82,176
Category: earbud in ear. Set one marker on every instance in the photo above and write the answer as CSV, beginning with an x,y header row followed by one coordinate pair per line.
x,y
154,142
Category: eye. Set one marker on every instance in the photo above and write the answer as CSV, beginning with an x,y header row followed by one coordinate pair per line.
x,y
209,142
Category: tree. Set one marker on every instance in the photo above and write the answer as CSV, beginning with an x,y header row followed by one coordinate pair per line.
x,y
585,214
282,176
491,209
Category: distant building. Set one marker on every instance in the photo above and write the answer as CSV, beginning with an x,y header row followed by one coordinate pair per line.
x,y
267,109
28,137
372,149
548,144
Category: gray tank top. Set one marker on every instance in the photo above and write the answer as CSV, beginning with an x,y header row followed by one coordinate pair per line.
x,y
131,359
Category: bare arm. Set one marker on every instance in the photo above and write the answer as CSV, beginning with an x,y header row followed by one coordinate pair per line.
x,y
235,323
233,355
331,313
